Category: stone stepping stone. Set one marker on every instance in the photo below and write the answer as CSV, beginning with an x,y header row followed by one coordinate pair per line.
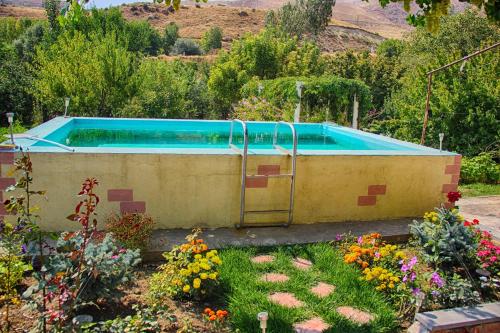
x,y
287,300
274,277
355,315
263,259
302,263
314,325
322,289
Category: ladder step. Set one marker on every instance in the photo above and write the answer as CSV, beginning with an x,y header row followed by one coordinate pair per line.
x,y
267,211
281,175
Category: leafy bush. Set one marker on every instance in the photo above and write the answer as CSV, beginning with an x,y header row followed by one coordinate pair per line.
x,y
191,270
186,46
144,320
170,37
258,109
212,39
143,38
323,98
132,230
445,239
458,292
11,28
480,169
81,269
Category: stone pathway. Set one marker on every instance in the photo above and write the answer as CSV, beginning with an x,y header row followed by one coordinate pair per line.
x,y
314,325
355,315
288,300
321,290
486,209
274,277
302,264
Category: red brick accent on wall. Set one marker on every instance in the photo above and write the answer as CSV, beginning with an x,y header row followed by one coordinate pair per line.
x,y
268,170
367,200
120,195
262,170
371,198
126,199
132,207
453,170
376,189
6,162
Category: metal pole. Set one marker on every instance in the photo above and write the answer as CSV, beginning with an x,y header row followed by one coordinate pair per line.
x,y
355,112
430,73
427,105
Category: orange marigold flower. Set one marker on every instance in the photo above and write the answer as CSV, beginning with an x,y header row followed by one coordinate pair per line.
x,y
212,318
199,241
207,310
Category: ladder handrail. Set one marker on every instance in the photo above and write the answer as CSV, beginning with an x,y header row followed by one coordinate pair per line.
x,y
243,165
294,163
35,138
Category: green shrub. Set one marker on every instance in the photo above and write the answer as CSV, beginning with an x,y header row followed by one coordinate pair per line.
x,y
170,37
132,230
458,292
445,239
258,109
186,46
144,320
191,271
212,39
480,169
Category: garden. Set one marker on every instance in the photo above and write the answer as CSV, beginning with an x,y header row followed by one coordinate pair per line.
x,y
93,280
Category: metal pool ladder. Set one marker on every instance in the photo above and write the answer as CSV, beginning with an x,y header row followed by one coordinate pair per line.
x,y
244,153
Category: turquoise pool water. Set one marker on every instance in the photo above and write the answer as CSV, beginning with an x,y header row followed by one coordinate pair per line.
x,y
137,133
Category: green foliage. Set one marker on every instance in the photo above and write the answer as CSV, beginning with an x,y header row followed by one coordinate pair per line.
x,y
15,83
143,320
170,36
11,28
480,169
446,241
212,39
95,73
464,104
142,37
52,11
175,3
191,271
132,230
380,72
458,292
323,98
258,109
186,46
35,36
185,95
302,16
267,55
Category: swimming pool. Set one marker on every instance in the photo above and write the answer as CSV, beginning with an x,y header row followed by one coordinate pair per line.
x,y
190,173
108,134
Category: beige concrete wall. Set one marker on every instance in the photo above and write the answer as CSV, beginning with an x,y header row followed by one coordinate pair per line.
x,y
184,191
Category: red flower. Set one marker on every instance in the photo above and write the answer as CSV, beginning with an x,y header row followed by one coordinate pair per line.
x,y
453,196
467,223
475,221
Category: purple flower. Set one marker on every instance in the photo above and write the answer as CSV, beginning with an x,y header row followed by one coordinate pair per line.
x,y
413,261
360,240
413,276
377,255
338,237
416,291
435,293
437,280
405,278
405,268
23,249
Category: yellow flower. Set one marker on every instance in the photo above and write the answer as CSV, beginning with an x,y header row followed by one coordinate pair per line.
x,y
196,283
212,276
391,285
205,266
204,276
186,288
197,256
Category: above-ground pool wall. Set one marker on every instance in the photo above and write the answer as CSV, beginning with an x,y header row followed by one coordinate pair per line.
x,y
184,191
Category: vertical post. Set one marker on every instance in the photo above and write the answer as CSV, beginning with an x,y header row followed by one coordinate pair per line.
x,y
66,104
427,107
441,137
355,112
10,119
296,117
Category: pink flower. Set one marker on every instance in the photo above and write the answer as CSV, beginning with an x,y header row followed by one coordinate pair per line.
x,y
493,259
114,257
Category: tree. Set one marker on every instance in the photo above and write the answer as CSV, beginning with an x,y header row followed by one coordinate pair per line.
x,y
186,46
52,11
212,39
465,103
170,37
94,72
303,16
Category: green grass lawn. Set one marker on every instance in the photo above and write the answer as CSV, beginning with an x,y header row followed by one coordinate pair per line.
x,y
478,189
246,295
